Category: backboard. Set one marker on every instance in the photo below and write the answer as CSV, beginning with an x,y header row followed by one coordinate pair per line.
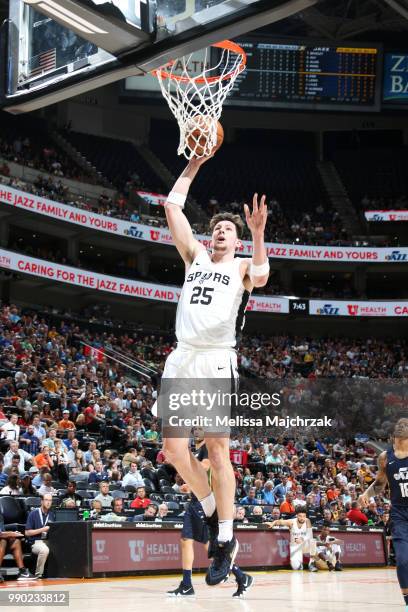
x,y
51,50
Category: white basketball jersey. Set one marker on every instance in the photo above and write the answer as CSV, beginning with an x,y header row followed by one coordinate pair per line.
x,y
297,531
211,308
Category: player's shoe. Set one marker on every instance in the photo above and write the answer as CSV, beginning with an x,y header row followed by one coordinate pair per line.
x,y
25,574
330,566
338,567
244,586
223,560
312,567
182,591
212,522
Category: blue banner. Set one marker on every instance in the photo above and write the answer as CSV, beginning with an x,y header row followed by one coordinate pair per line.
x,y
395,78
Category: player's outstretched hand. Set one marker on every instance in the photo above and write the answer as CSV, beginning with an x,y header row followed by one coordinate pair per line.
x,y
363,500
199,161
256,220
271,524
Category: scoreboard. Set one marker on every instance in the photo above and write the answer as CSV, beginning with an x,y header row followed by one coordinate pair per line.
x,y
308,76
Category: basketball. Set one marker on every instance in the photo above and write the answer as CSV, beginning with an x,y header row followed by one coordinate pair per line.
x,y
199,134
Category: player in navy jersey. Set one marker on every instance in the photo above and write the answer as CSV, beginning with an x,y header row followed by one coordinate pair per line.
x,y
195,530
393,469
209,314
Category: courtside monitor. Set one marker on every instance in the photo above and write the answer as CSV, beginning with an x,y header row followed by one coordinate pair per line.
x,y
51,50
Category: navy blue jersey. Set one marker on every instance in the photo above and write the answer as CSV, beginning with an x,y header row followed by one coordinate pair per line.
x,y
397,474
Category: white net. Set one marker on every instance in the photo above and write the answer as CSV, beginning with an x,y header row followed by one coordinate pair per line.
x,y
196,101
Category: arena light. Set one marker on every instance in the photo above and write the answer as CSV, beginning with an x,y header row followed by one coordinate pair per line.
x,y
107,28
68,17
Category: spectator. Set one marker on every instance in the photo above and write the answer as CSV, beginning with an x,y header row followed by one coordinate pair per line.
x,y
275,514
37,528
71,493
44,459
99,474
39,430
140,500
14,468
150,513
104,497
65,423
356,516
239,515
116,515
133,477
27,487
10,430
287,506
372,513
162,513
281,489
23,455
30,441
78,464
46,486
250,499
12,487
268,496
50,439
88,454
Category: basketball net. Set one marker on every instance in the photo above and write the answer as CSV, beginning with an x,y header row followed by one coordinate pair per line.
x,y
196,102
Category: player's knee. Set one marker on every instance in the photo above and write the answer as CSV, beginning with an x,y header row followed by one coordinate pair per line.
x,y
171,449
219,459
186,542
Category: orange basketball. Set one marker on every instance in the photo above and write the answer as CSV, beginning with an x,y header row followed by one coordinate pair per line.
x,y
197,138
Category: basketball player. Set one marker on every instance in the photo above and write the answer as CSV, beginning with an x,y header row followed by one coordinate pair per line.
x,y
328,551
210,311
301,538
195,530
393,469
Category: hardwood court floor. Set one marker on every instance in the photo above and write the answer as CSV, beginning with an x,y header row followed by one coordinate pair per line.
x,y
370,590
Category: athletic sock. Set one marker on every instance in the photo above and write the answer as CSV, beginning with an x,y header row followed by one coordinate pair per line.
x,y
238,573
187,578
208,504
225,531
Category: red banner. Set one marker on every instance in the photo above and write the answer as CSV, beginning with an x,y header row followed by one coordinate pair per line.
x,y
127,550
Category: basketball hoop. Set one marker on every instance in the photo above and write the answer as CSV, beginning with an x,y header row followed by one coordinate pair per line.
x,y
196,101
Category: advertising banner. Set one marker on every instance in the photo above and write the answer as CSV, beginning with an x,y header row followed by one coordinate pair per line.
x,y
154,199
159,235
386,215
395,88
351,308
119,286
155,548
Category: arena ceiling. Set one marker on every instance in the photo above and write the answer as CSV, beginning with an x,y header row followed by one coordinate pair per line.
x,y
375,20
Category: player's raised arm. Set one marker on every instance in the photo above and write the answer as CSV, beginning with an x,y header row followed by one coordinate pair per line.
x,y
258,267
379,483
179,226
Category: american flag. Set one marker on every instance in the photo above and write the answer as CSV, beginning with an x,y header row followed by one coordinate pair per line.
x,y
42,62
